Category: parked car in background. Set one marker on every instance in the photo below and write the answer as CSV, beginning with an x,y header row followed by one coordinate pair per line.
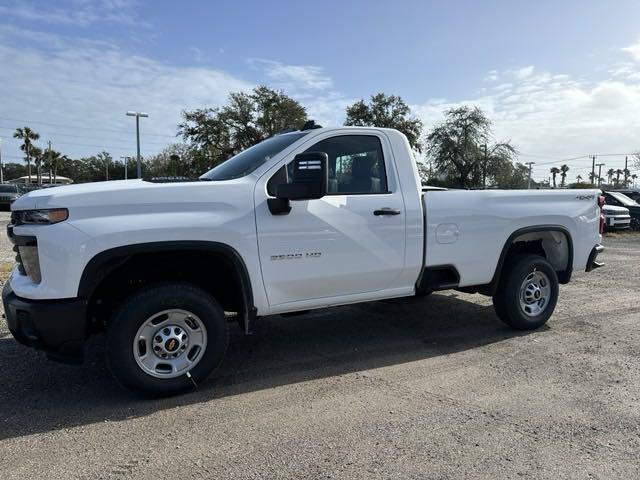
x,y
633,194
8,194
616,218
618,199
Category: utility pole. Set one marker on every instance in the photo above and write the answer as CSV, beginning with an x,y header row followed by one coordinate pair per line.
x,y
138,115
529,181
1,165
484,168
126,165
599,165
593,169
626,172
49,155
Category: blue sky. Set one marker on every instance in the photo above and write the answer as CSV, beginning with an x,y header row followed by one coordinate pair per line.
x,y
560,79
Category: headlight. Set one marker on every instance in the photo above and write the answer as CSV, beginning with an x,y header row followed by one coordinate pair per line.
x,y
28,259
40,217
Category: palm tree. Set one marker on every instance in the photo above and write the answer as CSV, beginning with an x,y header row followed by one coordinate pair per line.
x,y
610,173
50,162
27,136
564,169
626,174
633,177
578,178
618,173
554,171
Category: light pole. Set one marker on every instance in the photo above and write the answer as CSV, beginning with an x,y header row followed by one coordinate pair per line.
x,y
138,115
599,165
529,181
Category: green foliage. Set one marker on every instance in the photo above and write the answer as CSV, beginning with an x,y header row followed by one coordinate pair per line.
x,y
386,112
216,134
460,152
176,160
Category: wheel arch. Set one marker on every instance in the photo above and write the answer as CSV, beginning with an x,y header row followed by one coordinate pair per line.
x,y
539,233
107,262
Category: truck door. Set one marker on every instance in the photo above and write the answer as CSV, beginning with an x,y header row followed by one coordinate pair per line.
x,y
351,241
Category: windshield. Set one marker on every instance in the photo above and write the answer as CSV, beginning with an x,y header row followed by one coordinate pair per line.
x,y
8,189
248,160
623,199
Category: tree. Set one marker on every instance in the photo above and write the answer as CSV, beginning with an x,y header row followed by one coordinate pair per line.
x,y
457,147
633,178
563,169
51,158
618,173
554,171
27,136
176,160
386,111
578,178
217,134
512,176
610,173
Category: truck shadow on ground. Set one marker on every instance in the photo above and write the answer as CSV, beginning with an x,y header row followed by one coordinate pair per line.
x,y
37,395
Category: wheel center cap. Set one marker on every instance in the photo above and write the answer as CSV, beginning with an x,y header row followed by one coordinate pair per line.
x,y
171,345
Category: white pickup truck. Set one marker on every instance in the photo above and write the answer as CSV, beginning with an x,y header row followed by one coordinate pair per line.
x,y
304,220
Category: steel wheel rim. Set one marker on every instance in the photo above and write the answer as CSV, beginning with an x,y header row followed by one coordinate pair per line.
x,y
535,293
170,343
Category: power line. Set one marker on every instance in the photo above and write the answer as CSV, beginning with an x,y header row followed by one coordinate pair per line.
x,y
70,135
6,119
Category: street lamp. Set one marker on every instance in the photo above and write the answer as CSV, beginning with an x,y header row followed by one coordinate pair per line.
x,y
138,115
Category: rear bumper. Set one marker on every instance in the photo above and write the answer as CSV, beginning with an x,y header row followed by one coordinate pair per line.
x,y
592,264
55,326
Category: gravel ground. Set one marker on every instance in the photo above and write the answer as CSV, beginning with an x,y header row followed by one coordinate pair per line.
x,y
420,388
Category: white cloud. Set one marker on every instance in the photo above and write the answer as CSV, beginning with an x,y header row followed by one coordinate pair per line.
x,y
550,117
492,76
522,73
297,76
50,79
634,51
75,13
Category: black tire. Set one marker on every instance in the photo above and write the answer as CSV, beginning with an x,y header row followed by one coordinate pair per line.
x,y
142,305
507,298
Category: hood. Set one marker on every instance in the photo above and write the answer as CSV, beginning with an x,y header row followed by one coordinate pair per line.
x,y
91,198
614,210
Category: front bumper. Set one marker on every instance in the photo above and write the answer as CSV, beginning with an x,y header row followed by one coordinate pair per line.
x,y
591,262
621,222
55,326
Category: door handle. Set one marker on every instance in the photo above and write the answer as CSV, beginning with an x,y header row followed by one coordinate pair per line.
x,y
386,211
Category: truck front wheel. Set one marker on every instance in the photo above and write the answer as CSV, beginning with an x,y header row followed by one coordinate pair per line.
x,y
527,293
166,339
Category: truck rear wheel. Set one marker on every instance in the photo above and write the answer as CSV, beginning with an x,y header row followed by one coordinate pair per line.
x,y
166,339
527,293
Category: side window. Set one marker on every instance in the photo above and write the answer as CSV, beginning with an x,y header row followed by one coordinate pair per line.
x,y
356,165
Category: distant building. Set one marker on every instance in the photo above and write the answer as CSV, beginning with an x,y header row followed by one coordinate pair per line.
x,y
60,180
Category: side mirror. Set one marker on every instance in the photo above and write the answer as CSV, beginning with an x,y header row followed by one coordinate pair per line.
x,y
310,178
309,182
